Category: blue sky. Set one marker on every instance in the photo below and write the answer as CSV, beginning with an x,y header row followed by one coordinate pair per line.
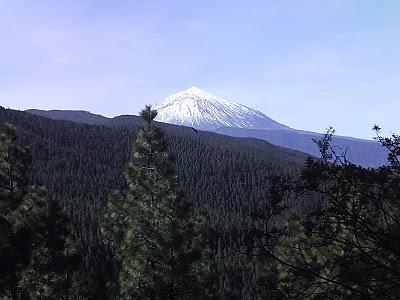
x,y
308,64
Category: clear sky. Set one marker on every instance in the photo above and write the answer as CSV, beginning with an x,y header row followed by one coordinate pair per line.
x,y
307,64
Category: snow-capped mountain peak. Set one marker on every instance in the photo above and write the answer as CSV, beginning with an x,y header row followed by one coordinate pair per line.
x,y
200,109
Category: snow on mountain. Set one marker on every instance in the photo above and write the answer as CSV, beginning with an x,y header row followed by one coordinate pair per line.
x,y
197,108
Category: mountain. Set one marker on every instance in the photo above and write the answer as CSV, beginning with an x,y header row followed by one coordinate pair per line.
x,y
197,108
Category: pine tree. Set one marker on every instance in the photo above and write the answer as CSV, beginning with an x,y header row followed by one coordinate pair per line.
x,y
150,228
54,261
348,248
35,257
15,237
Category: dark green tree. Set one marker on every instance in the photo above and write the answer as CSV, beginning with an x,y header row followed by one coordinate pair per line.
x,y
81,164
15,237
35,260
348,248
151,229
51,272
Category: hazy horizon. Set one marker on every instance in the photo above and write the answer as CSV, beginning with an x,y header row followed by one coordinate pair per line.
x,y
307,65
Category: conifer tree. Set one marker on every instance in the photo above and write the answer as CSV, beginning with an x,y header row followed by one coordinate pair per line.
x,y
54,261
35,258
347,248
150,228
15,238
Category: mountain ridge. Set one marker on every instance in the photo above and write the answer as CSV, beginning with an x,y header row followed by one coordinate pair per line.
x,y
198,109
364,152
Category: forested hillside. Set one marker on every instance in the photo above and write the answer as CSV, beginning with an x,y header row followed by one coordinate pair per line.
x,y
256,221
81,164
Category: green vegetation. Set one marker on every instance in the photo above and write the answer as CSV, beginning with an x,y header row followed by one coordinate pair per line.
x,y
254,221
150,229
348,248
36,259
81,165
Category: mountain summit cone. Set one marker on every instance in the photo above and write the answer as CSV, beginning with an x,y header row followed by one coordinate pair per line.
x,y
202,110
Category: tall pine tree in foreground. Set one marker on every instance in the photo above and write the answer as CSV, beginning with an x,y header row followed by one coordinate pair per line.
x,y
150,229
35,258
